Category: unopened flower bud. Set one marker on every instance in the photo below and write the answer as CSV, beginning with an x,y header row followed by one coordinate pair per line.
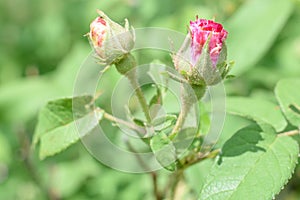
x,y
110,41
202,57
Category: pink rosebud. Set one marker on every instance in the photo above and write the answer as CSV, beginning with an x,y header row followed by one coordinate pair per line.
x,y
202,57
200,31
110,41
98,32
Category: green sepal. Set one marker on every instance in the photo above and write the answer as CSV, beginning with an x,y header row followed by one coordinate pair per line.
x,y
125,64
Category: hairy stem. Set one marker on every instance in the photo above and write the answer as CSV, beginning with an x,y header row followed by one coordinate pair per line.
x,y
140,95
121,121
177,176
290,133
180,120
30,165
190,94
157,194
199,157
127,66
186,100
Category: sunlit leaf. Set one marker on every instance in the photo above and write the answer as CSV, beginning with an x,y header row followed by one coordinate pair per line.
x,y
63,122
287,93
253,164
164,150
258,110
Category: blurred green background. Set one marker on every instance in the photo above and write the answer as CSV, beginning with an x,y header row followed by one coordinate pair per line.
x,y
42,47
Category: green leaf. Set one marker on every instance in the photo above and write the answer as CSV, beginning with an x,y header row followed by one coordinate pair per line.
x,y
139,122
253,29
263,112
253,164
164,122
287,93
61,121
197,174
164,150
232,124
58,113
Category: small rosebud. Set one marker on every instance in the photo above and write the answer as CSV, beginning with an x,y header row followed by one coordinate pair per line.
x,y
200,31
202,57
110,40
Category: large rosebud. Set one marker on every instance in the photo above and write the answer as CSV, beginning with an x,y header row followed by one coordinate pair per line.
x,y
202,57
110,40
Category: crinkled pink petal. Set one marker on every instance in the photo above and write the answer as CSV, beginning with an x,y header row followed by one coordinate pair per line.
x,y
200,31
98,31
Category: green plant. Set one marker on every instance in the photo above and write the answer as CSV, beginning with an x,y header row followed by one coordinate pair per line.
x,y
262,154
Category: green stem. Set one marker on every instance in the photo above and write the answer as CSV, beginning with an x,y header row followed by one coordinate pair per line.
x,y
140,95
186,105
290,133
189,95
176,179
180,120
127,66
31,166
157,194
155,186
121,121
199,157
